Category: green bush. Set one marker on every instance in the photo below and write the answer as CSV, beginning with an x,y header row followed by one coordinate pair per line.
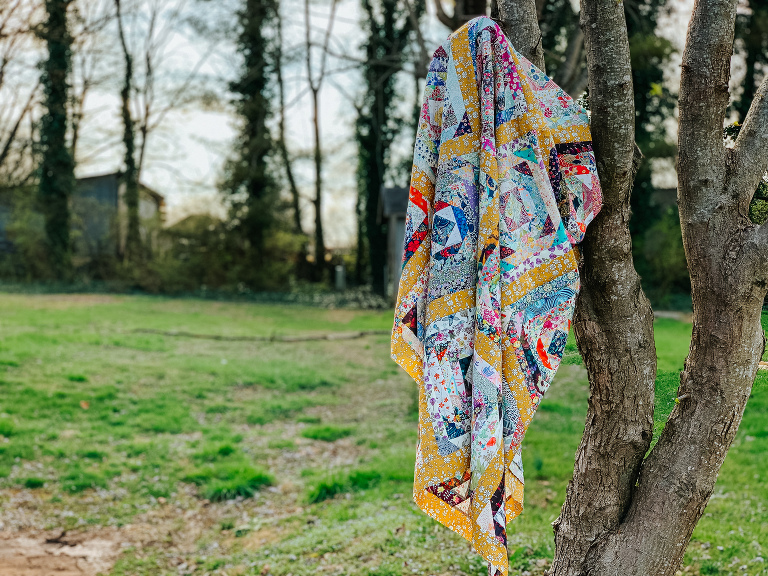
x,y
664,252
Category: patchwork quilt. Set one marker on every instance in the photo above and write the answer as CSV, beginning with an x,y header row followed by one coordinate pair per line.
x,y
503,186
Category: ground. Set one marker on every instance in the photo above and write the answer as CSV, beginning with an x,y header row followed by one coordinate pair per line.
x,y
128,447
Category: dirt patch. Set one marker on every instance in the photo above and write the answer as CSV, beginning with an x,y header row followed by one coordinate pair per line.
x,y
60,554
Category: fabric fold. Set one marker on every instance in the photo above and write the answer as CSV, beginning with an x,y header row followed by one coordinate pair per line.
x,y
503,186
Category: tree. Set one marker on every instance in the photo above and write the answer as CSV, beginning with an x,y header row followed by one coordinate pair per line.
x,y
133,252
21,99
88,21
249,180
563,44
146,28
463,11
752,37
389,26
57,168
281,143
654,104
315,82
629,510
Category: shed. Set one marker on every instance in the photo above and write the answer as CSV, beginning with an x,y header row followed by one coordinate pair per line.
x,y
100,215
393,204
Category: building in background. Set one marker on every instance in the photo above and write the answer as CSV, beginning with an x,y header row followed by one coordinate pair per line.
x,y
393,204
98,215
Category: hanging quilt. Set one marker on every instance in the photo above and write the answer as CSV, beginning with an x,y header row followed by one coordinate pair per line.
x,y
503,186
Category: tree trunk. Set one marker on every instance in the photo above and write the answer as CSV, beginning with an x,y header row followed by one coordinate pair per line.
x,y
57,169
314,88
295,204
623,513
521,25
317,202
132,253
614,321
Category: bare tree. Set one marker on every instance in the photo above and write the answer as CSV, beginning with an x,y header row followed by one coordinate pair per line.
x,y
281,143
146,29
88,20
627,512
130,176
18,90
315,82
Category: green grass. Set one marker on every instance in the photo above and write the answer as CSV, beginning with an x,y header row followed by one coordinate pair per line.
x,y
227,481
104,426
326,433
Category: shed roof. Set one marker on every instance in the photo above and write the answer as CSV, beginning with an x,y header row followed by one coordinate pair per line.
x,y
111,177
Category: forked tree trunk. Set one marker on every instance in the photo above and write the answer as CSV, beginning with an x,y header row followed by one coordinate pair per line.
x,y
623,513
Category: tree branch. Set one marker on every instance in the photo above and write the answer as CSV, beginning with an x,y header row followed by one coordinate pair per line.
x,y
520,24
442,16
703,101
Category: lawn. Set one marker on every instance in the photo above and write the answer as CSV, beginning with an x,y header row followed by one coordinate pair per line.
x,y
186,455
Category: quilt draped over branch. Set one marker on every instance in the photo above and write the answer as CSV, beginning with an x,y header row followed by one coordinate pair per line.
x,y
503,186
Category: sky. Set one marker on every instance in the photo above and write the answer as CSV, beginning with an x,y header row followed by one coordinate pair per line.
x,y
186,153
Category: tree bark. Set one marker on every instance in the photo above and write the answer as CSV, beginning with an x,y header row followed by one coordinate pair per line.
x,y
614,321
623,513
521,25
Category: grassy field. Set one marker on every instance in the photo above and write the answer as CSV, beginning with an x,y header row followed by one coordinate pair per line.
x,y
208,456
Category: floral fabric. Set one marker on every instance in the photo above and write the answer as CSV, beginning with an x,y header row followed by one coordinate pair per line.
x,y
503,186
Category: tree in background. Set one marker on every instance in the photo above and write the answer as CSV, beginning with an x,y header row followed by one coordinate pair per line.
x,y
563,43
315,83
388,24
57,168
656,242
17,128
463,12
133,251
752,44
249,181
655,232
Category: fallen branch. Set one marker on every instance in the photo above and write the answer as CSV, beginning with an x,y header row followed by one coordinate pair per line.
x,y
272,338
